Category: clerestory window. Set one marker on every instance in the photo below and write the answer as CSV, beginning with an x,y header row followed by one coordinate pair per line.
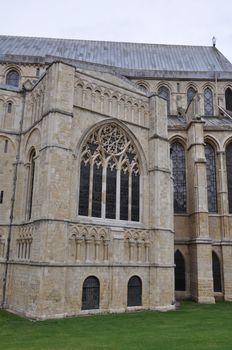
x,y
208,102
12,78
109,176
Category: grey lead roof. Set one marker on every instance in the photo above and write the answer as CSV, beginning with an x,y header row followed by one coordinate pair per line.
x,y
127,56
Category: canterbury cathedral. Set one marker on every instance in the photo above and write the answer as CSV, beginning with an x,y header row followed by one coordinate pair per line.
x,y
115,176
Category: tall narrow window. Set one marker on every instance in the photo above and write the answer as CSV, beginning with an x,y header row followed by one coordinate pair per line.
x,y
208,102
217,284
134,291
109,176
228,97
90,293
12,78
180,284
165,93
31,183
9,107
179,177
229,174
211,178
190,94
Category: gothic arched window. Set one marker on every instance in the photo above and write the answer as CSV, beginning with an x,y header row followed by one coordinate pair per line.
x,y
211,178
190,94
229,174
179,176
109,176
90,293
134,291
31,178
180,284
217,284
165,93
12,78
208,102
228,97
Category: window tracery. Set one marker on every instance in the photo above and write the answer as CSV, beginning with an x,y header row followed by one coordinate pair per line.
x,y
12,78
208,102
109,175
179,177
211,178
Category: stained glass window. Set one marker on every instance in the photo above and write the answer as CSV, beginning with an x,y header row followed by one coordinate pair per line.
x,y
12,78
134,292
179,272
190,94
228,97
229,174
109,160
211,178
165,93
179,177
217,284
208,102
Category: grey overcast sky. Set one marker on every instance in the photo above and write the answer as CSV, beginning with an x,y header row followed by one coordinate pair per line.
x,y
188,22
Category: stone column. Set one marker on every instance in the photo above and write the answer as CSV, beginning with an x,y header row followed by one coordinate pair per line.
x,y
201,279
161,208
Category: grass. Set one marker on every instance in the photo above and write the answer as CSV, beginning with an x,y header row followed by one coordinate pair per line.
x,y
192,327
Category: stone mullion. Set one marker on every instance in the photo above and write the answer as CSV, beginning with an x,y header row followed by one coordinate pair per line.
x,y
90,189
130,195
103,207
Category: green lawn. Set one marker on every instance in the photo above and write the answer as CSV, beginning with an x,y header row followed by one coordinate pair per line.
x,y
192,327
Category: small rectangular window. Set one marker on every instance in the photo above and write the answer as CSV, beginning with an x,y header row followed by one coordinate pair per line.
x,y
178,87
6,146
37,72
1,197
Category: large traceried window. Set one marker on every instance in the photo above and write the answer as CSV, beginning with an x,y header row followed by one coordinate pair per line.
x,y
211,178
109,176
165,93
208,102
12,78
179,177
229,174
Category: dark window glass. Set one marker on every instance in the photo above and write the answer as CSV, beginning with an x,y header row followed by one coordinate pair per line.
x,y
97,191
190,94
164,92
90,293
179,177
135,197
124,196
1,197
134,292
179,272
111,193
208,101
217,285
143,87
229,174
6,146
31,183
12,78
84,189
211,178
228,96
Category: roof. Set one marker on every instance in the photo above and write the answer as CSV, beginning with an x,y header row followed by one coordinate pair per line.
x,y
136,57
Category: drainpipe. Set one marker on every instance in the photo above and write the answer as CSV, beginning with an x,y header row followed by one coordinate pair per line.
x,y
5,279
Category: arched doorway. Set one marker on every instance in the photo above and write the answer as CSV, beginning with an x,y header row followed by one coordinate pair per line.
x,y
134,291
217,283
180,284
90,293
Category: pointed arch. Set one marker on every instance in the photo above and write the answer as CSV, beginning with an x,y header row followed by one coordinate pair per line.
x,y
134,291
216,266
164,92
110,162
211,177
180,281
191,92
179,177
